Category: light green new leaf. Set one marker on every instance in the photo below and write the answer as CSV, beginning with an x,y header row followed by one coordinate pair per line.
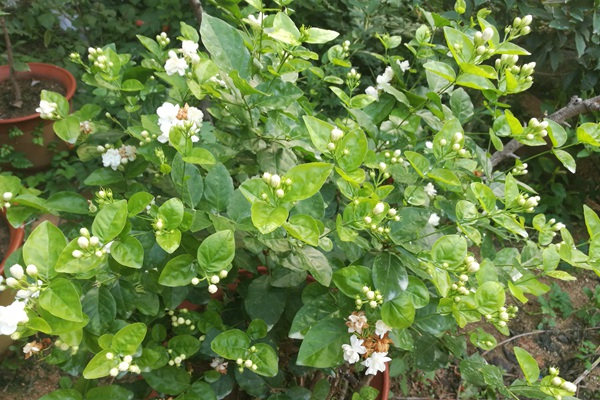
x,y
231,344
266,360
490,297
318,36
61,299
169,241
100,366
528,365
307,179
44,247
450,249
556,133
356,142
444,176
319,131
266,218
303,227
566,159
398,313
179,271
129,338
321,347
171,212
110,221
128,252
418,162
589,133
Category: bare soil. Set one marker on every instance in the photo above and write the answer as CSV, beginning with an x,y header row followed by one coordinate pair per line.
x,y
30,94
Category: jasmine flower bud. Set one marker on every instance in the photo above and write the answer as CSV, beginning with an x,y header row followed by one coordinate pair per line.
x,y
77,254
239,361
370,295
487,34
98,253
223,274
11,282
336,134
382,166
123,366
266,177
279,193
128,359
17,271
379,208
83,242
443,142
331,146
212,289
373,304
94,241
31,270
392,212
527,20
113,372
553,371
526,30
248,363
214,279
7,196
556,381
456,146
110,356
275,181
368,220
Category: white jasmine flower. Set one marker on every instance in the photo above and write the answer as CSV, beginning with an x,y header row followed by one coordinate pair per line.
x,y
167,117
32,347
404,65
175,65
353,350
376,363
336,134
384,79
429,145
256,21
371,91
128,152
379,208
11,316
219,365
430,190
434,220
111,158
357,321
189,49
46,109
381,328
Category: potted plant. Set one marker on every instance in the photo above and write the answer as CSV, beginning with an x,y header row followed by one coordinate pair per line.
x,y
259,151
22,130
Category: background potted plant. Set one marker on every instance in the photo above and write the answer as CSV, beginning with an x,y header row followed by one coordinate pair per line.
x,y
260,151
22,130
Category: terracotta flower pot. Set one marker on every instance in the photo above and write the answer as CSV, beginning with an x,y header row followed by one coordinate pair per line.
x,y
7,296
39,156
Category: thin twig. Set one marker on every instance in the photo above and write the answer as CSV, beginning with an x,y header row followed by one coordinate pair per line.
x,y
575,107
510,339
587,371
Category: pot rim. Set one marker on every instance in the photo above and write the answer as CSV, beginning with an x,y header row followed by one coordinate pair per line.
x,y
37,69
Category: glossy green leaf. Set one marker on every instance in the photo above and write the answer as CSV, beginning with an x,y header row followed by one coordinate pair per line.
x,y
99,366
356,142
231,344
61,299
321,347
128,252
169,379
398,313
218,187
450,249
138,202
129,338
179,271
112,392
100,306
351,280
43,247
566,159
110,221
169,241
304,228
216,252
389,276
319,36
307,179
528,365
266,218
444,176
187,181
265,359
489,297
264,301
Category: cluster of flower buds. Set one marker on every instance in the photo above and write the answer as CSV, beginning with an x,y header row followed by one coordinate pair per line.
x,y
146,137
104,196
65,346
519,169
394,157
520,27
177,360
6,198
353,79
162,39
502,316
276,183
75,57
89,245
526,203
371,297
99,59
212,281
480,41
18,280
181,319
247,363
559,382
535,129
125,365
456,144
460,288
346,45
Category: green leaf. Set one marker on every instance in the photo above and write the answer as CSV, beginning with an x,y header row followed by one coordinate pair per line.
x,y
110,221
179,271
319,131
528,365
489,297
285,30
189,32
350,280
216,252
442,69
169,379
61,299
103,177
99,366
589,133
112,392
566,159
218,187
321,347
450,249
461,105
184,344
43,248
463,42
389,276
265,359
257,329
444,176
418,162
187,180
319,36
171,212
356,142
307,179
200,156
313,261
63,394
398,313
226,46
304,228
128,252
485,195
556,133
592,222
169,241
474,81
231,344
264,301
129,338
266,218
100,306
562,275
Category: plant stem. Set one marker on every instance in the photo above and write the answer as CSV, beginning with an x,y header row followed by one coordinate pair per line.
x,y
18,102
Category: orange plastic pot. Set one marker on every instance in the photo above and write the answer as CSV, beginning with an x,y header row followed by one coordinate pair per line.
x,y
40,156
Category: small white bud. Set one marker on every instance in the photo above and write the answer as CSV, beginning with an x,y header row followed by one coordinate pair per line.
x,y
7,196
214,279
212,289
248,363
113,372
98,253
382,166
456,147
94,241
379,208
123,366
279,193
392,212
77,253
17,271
110,356
553,371
336,134
443,142
83,242
331,146
368,220
31,270
487,34
370,295
223,274
128,359
527,20
373,304
275,181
